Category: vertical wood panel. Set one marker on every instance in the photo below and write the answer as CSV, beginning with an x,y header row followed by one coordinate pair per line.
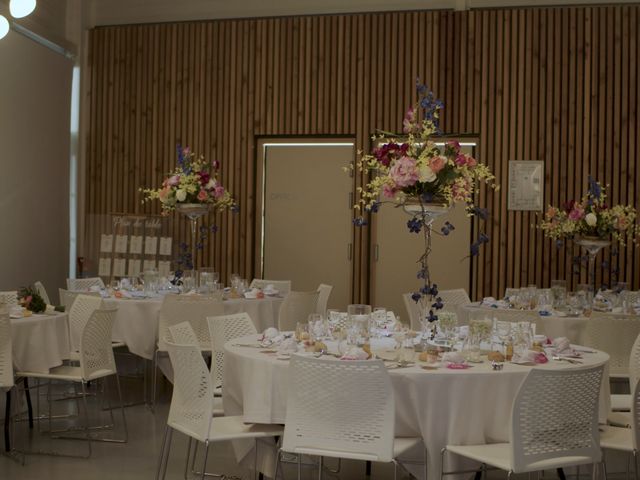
x,y
555,84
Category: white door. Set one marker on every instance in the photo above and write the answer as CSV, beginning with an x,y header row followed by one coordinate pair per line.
x,y
396,252
306,216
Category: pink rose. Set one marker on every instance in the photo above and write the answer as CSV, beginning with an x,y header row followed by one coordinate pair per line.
x,y
404,172
577,212
454,145
218,192
388,191
438,163
174,180
461,159
202,195
471,162
409,120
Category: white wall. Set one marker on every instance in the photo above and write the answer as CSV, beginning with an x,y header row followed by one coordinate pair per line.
x,y
35,86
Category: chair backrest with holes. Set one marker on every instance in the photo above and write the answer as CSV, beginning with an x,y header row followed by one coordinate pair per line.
x,y
555,415
283,286
634,364
42,292
413,310
614,334
192,401
296,307
82,284
79,314
635,415
67,297
451,299
6,361
324,292
183,334
9,298
96,351
222,329
342,407
188,308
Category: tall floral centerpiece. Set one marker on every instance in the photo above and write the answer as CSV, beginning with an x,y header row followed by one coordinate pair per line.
x,y
591,223
193,189
425,180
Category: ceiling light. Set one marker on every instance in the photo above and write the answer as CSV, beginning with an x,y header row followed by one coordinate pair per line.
x,y
21,8
4,26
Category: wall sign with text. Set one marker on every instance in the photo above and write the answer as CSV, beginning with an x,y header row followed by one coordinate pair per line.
x,y
526,185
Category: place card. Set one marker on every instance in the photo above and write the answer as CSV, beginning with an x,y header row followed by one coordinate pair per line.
x,y
119,267
104,267
149,265
165,245
150,246
134,268
164,267
121,243
106,243
135,245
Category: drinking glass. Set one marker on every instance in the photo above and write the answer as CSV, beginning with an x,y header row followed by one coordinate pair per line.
x,y
302,331
317,326
379,316
558,293
359,317
575,303
447,322
532,291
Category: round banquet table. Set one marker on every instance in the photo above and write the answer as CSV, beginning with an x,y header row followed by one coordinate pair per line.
x,y
136,322
553,326
442,406
39,342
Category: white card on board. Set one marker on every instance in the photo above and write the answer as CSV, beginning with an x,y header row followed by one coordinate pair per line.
x,y
121,243
104,267
106,243
149,265
134,268
135,245
150,245
119,267
165,245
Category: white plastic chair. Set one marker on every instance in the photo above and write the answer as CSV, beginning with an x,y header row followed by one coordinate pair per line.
x,y
79,314
283,286
82,284
6,359
296,307
184,308
42,292
554,424
191,411
614,334
342,410
622,402
222,329
324,292
625,438
451,299
96,362
9,298
67,297
413,310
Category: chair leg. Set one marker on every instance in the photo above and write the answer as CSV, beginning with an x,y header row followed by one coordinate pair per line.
x,y
154,380
299,465
7,416
27,395
442,452
255,458
186,464
395,470
635,464
86,417
124,418
368,468
275,476
424,470
204,462
320,468
167,452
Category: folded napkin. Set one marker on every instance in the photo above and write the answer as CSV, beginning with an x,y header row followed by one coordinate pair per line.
x,y
561,345
50,309
453,357
16,312
355,353
95,288
289,345
530,356
270,290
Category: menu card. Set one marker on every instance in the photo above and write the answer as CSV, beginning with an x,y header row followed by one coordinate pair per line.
x,y
106,243
135,245
104,267
150,246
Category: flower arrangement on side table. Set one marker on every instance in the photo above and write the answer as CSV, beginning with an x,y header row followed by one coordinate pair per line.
x,y
414,173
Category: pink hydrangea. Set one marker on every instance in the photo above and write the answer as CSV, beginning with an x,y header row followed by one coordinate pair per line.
x,y
577,212
404,172
202,195
218,192
388,191
471,162
461,160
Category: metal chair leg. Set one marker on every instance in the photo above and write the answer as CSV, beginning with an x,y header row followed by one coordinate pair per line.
x,y
186,463
299,466
204,462
275,476
86,417
442,452
154,380
168,451
124,418
163,448
320,468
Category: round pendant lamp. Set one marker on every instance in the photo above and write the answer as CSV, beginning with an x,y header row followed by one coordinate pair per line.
x,y
4,26
21,8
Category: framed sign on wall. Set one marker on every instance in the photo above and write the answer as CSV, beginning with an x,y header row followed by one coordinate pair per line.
x,y
526,185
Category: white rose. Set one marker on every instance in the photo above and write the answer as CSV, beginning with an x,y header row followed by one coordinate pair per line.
x,y
210,184
425,174
181,195
591,219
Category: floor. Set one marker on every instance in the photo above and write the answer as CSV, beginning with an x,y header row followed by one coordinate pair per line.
x,y
136,459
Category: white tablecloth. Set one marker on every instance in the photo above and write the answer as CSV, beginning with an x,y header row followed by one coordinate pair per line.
x,y
39,342
442,406
574,328
136,322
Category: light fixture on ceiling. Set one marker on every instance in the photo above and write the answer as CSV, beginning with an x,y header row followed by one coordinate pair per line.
x,y
21,8
4,26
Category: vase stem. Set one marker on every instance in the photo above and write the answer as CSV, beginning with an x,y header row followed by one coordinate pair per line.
x,y
592,271
194,221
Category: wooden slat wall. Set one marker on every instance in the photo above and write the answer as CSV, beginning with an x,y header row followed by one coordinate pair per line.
x,y
555,84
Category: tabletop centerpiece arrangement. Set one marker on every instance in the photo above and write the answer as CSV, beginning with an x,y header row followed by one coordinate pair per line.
x,y
591,223
193,189
411,171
